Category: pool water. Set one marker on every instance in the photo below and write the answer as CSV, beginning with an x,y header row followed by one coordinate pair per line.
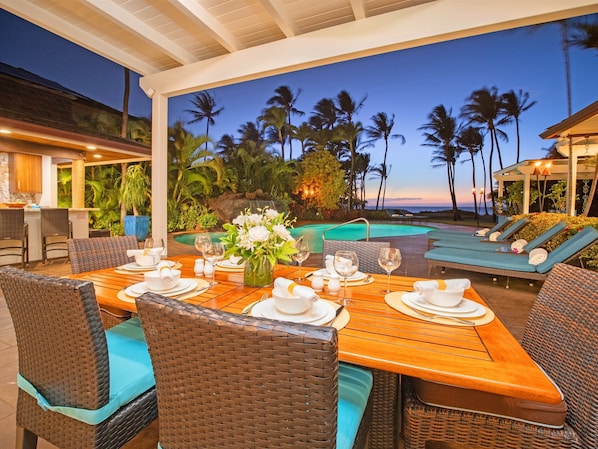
x,y
313,233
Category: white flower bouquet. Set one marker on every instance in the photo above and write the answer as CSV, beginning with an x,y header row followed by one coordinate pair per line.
x,y
265,234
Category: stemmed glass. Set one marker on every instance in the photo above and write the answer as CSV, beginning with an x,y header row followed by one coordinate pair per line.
x,y
201,241
389,260
154,246
301,255
213,253
346,264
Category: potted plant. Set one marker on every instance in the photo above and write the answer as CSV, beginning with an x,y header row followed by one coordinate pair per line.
x,y
135,192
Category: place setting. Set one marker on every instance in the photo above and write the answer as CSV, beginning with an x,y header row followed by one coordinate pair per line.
x,y
296,303
233,263
440,301
146,259
337,267
165,281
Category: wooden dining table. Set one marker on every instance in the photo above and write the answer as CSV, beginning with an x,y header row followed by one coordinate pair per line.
x,y
485,357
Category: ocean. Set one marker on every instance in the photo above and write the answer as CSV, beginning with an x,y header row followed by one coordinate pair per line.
x,y
422,209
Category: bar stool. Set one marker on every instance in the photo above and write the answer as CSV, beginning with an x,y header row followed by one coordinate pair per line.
x,y
56,229
14,235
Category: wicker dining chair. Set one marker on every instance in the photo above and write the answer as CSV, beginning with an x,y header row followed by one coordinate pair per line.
x,y
56,229
367,252
560,336
234,381
79,387
96,253
14,235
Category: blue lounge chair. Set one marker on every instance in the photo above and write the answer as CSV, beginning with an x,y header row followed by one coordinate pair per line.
x,y
502,246
510,265
438,234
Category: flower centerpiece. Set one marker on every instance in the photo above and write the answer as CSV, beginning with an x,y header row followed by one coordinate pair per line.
x,y
261,240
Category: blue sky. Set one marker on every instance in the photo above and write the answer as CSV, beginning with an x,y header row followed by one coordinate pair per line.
x,y
408,84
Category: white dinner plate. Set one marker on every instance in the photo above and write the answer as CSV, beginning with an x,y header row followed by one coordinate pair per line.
x,y
185,285
465,309
230,265
321,312
359,276
134,267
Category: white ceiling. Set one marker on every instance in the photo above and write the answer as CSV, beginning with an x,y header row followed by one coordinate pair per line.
x,y
182,46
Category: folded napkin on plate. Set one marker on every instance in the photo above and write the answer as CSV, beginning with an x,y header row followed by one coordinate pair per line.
x,y
517,246
135,252
482,232
288,287
165,272
440,284
537,256
330,265
494,236
234,260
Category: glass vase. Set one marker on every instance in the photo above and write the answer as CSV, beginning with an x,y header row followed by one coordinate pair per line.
x,y
259,272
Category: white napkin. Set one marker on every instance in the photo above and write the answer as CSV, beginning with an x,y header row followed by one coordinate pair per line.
x,y
482,232
537,256
330,265
291,288
517,246
439,284
165,272
494,236
135,252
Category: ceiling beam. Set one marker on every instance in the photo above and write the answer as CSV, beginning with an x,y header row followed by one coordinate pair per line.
x,y
282,19
358,9
201,16
130,22
444,20
86,39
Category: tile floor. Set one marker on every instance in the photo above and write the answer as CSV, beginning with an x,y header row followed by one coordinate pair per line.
x,y
511,306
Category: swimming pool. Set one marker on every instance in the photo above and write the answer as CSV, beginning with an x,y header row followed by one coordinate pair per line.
x,y
313,233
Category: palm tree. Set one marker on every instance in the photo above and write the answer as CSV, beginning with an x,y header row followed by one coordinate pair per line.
x,y
382,172
513,105
440,133
472,140
382,129
275,121
348,134
206,109
286,100
484,107
346,107
304,134
324,115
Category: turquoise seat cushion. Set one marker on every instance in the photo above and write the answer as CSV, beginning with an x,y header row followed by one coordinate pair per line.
x,y
354,388
569,248
131,374
501,261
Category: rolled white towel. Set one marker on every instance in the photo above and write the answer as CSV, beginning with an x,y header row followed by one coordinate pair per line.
x,y
494,236
165,272
329,262
482,232
288,287
134,252
440,284
517,245
537,256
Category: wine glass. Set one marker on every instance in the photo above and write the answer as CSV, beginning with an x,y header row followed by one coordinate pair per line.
x,y
201,241
346,264
213,253
154,246
301,255
389,260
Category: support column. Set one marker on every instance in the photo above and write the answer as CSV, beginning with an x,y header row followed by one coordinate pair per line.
x,y
78,184
159,225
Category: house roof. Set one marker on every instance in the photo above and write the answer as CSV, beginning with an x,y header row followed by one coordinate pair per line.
x,y
183,46
578,126
44,118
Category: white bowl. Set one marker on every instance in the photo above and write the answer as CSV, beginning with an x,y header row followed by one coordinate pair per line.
x,y
147,260
154,281
291,305
444,298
